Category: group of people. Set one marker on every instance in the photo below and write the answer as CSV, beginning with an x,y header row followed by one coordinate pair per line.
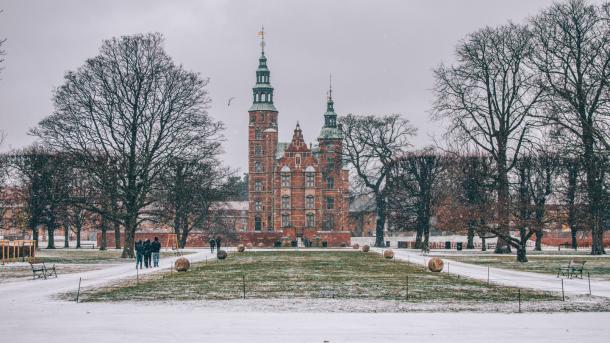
x,y
214,243
147,250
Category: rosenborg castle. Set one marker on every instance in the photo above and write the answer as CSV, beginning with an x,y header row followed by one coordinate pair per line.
x,y
295,190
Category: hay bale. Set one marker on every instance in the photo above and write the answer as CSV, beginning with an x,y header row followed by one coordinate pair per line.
x,y
435,265
249,245
356,246
182,264
241,248
221,254
366,248
389,254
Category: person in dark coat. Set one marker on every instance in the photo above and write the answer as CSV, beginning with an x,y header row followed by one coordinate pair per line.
x,y
147,254
218,243
139,254
212,245
155,248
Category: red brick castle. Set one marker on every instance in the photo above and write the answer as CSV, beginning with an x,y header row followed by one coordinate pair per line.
x,y
294,190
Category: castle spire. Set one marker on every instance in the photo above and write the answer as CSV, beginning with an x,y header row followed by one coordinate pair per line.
x,y
330,117
262,91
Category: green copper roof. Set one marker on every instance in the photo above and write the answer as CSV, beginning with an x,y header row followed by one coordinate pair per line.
x,y
330,133
262,106
279,151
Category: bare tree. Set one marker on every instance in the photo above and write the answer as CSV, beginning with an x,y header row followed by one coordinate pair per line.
x,y
416,182
541,184
488,98
372,145
572,56
189,191
133,106
46,181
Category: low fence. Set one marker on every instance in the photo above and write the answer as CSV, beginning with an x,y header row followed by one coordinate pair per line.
x,y
17,250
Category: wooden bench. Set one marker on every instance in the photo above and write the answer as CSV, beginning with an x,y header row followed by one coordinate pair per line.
x,y
40,270
92,245
573,269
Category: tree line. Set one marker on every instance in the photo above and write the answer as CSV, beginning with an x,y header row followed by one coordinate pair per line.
x,y
521,102
129,141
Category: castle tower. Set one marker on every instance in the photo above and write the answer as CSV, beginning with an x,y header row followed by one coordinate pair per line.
x,y
262,145
334,185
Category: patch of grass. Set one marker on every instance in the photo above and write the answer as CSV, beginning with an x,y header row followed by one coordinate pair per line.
x,y
309,275
597,266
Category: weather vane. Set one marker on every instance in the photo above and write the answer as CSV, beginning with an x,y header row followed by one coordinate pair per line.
x,y
330,86
261,34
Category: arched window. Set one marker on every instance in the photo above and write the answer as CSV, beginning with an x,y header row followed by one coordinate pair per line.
x,y
309,202
285,220
310,177
285,202
258,224
258,186
285,176
310,221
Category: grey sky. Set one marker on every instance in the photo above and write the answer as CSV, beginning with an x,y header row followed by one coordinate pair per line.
x,y
381,54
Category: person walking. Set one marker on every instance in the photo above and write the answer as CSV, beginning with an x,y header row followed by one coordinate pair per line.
x,y
218,243
155,248
147,254
212,245
139,254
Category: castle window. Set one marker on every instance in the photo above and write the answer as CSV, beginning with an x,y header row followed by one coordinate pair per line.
x,y
329,223
310,180
258,167
330,182
269,223
285,202
330,162
258,134
258,186
258,206
285,220
285,180
330,203
309,202
258,150
310,221
258,224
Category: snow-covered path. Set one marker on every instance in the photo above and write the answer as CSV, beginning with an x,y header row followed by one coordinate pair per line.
x,y
38,290
507,277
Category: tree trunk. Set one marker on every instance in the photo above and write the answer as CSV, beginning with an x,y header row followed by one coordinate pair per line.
x,y
426,236
539,234
418,235
78,232
130,233
594,192
502,246
574,231
380,224
183,238
66,236
103,244
483,244
50,237
521,253
117,235
470,242
597,243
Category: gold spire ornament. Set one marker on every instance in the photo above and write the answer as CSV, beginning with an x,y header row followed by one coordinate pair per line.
x,y
261,34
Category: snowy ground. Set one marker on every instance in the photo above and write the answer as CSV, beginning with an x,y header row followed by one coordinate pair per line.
x,y
513,278
29,313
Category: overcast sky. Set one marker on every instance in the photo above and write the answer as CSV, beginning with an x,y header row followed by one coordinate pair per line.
x,y
380,53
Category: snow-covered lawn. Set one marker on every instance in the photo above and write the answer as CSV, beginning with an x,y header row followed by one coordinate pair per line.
x,y
29,313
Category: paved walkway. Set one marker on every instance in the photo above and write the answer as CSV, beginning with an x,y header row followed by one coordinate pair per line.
x,y
508,277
